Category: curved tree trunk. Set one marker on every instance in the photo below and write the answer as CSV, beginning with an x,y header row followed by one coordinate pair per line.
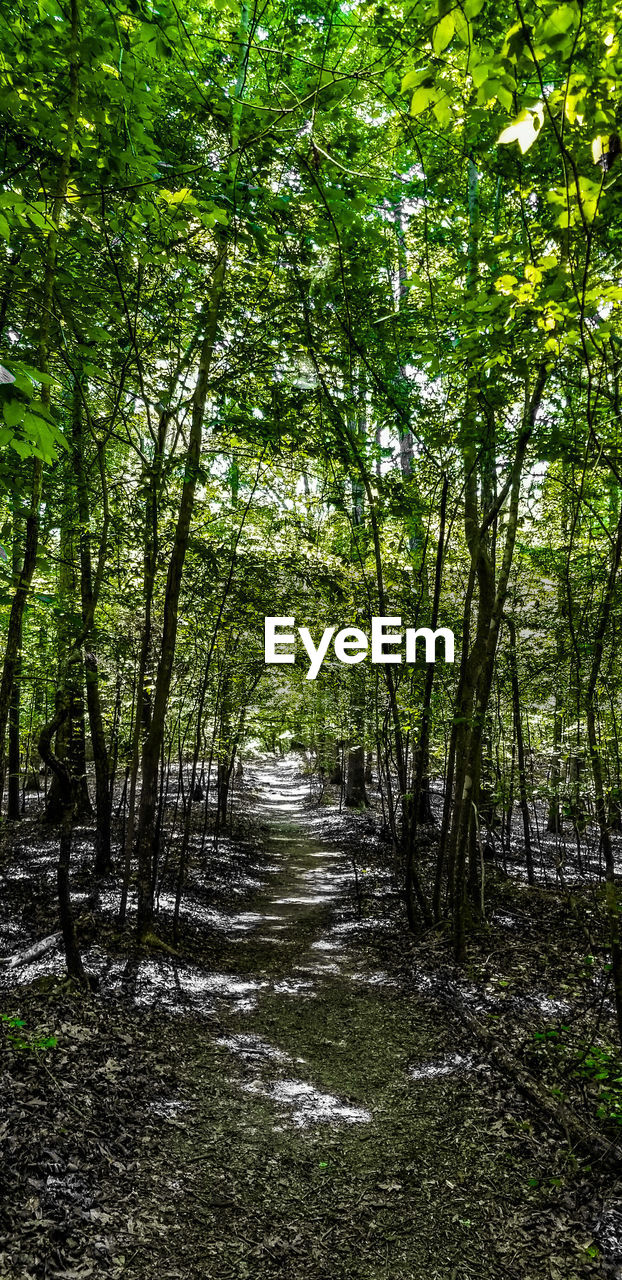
x,y
61,772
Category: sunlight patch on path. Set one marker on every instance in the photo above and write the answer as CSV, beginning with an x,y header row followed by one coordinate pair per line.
x,y
309,1105
453,1063
173,987
252,1047
293,987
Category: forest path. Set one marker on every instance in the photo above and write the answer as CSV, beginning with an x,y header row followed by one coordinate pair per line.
x,y
330,1126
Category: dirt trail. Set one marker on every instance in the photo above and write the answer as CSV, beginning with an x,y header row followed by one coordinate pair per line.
x,y
330,1125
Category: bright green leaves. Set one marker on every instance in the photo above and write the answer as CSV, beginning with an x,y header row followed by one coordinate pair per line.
x,y
28,427
422,81
430,90
575,98
435,96
414,78
559,22
184,196
32,433
13,412
16,212
579,202
22,1039
422,97
588,197
524,129
443,33
196,212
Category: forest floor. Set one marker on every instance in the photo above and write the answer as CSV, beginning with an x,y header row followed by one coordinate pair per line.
x,y
292,1098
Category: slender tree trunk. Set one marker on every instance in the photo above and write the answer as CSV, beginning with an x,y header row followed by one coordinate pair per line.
x,y
13,646
70,738
422,753
223,753
88,593
457,729
355,792
480,664
554,817
355,796
14,710
13,811
614,905
141,718
520,750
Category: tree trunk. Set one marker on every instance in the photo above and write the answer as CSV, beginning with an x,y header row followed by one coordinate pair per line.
x,y
88,593
614,906
14,709
554,817
60,769
356,794
520,751
70,738
480,664
13,811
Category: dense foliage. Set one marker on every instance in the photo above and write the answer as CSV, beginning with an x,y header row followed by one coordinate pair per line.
x,y
314,309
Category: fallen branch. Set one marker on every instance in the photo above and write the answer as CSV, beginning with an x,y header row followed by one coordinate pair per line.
x,y
33,953
576,1131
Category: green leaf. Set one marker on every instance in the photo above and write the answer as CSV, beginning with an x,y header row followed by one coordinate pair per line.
x,y
97,333
179,197
21,448
443,33
560,20
590,194
35,375
414,78
443,112
461,26
420,100
505,97
13,412
480,73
